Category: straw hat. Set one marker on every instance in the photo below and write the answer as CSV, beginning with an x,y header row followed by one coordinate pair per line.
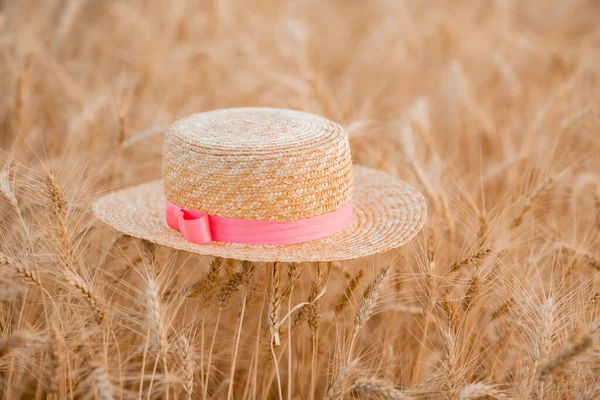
x,y
248,179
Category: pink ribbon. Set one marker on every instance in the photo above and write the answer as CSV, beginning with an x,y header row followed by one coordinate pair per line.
x,y
201,228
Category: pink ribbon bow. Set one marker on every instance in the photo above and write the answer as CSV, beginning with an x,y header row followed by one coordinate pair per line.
x,y
201,228
194,225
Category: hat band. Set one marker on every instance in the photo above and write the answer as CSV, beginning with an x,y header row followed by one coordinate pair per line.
x,y
201,228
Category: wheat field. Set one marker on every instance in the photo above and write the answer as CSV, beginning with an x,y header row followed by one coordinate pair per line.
x,y
490,109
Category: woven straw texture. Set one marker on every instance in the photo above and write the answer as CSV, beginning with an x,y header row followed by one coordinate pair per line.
x,y
387,213
268,164
257,163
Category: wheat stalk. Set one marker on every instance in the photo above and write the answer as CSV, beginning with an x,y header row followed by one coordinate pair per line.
x,y
484,229
294,272
312,311
246,275
274,304
225,293
19,107
430,288
273,308
209,286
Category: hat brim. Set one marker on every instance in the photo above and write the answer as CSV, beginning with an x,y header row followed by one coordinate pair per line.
x,y
387,213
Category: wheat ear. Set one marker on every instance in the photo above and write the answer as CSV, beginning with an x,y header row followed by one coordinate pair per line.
x,y
346,295
475,257
56,349
212,280
338,386
449,366
58,207
481,390
572,350
205,287
380,387
367,306
503,309
544,343
543,187
546,328
23,272
155,315
6,190
312,309
187,366
450,309
23,339
585,257
471,294
88,295
101,380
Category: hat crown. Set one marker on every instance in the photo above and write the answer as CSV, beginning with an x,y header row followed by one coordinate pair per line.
x,y
257,163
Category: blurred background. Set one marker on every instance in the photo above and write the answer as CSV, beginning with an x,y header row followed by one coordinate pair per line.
x,y
104,75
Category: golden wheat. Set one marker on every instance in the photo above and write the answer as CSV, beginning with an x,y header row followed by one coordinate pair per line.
x,y
480,390
490,109
378,386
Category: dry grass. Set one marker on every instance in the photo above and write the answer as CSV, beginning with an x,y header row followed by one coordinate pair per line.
x,y
491,109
